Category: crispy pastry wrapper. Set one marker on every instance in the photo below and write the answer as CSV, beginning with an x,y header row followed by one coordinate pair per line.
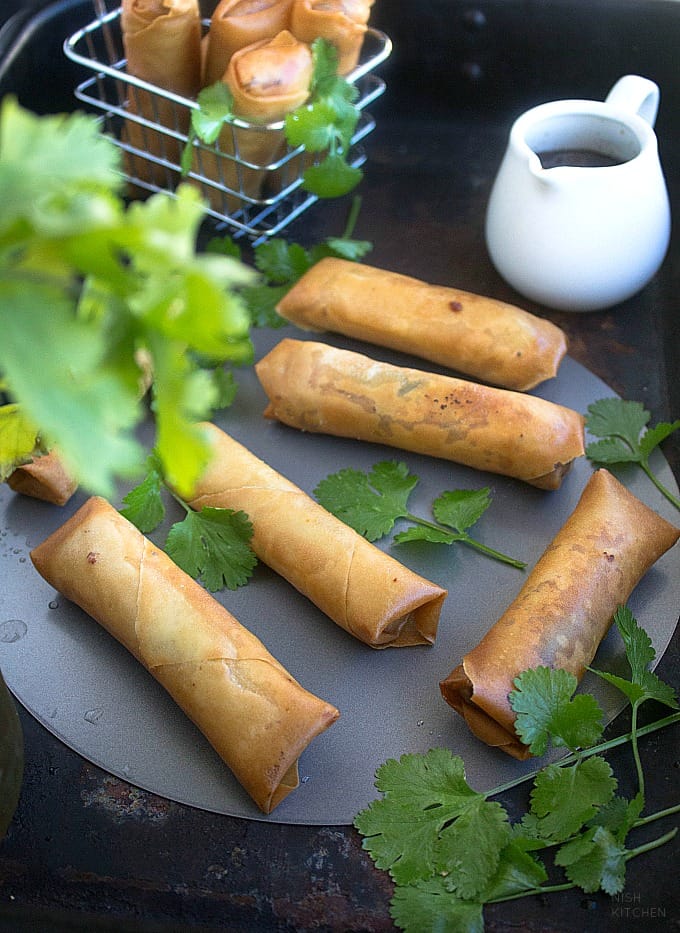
x,y
162,42
268,80
256,716
480,337
363,590
235,24
319,388
341,22
565,607
44,478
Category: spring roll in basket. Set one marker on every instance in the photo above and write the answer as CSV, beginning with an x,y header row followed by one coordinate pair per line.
x,y
235,24
268,80
316,387
256,716
363,590
162,43
565,607
341,22
480,337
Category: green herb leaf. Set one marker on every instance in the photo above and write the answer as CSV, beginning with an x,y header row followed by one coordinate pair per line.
x,y
18,439
429,907
427,810
213,544
619,423
372,502
215,108
331,178
368,502
594,861
564,798
144,504
546,709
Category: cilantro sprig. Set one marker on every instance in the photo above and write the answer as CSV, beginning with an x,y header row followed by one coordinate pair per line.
x,y
324,124
89,286
621,426
451,850
212,545
281,263
371,503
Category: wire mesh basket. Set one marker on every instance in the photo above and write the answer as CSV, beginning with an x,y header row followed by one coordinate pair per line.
x,y
254,195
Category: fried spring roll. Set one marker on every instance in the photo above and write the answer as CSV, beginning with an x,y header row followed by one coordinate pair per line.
x,y
237,23
44,478
363,590
315,387
479,337
267,80
565,607
162,42
341,22
256,716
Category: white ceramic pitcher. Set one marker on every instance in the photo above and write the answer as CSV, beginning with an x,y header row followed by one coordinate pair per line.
x,y
578,217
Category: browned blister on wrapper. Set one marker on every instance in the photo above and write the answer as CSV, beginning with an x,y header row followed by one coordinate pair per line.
x,y
315,387
256,716
363,590
565,607
480,337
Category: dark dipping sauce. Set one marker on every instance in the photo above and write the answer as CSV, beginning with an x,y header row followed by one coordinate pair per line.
x,y
579,158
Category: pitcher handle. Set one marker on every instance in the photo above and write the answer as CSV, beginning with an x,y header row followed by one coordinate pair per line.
x,y
637,95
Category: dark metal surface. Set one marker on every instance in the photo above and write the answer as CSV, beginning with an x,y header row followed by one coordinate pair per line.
x,y
90,852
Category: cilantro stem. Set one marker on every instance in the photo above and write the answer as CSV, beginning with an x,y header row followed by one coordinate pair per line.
x,y
636,751
465,538
659,815
529,892
594,750
352,218
654,844
659,485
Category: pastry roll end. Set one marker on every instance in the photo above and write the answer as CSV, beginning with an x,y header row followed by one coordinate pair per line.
x,y
44,478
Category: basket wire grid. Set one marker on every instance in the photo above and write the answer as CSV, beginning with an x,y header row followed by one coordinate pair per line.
x,y
254,197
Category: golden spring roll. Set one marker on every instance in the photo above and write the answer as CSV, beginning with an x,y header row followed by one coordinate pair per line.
x,y
341,22
363,590
268,80
162,43
479,337
564,608
237,23
315,387
45,478
256,716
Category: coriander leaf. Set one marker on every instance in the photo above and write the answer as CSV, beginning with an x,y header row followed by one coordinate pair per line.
x,y
226,387
564,798
344,247
215,107
280,261
429,907
594,861
461,508
617,417
18,439
331,178
619,815
517,872
469,848
53,363
640,653
262,301
619,423
144,504
545,709
213,544
427,533
420,794
368,502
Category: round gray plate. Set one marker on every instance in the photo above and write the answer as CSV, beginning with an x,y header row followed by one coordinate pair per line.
x,y
87,690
